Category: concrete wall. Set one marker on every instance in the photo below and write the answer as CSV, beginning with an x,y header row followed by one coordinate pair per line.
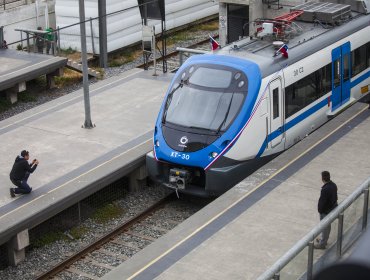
x,y
25,17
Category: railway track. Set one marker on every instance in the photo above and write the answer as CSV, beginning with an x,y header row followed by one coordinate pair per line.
x,y
103,255
173,58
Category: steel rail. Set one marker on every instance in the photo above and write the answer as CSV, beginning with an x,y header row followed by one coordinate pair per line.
x,y
104,239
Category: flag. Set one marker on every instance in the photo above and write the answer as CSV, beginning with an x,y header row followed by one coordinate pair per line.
x,y
214,44
283,50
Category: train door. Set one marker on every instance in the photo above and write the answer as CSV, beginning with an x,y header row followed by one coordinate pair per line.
x,y
276,113
341,77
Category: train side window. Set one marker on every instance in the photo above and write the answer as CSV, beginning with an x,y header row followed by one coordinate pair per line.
x,y
358,60
336,73
326,79
275,103
302,93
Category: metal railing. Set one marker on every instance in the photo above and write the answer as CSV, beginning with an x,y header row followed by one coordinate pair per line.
x,y
182,51
308,241
5,3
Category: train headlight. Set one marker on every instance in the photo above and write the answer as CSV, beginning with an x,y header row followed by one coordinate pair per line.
x,y
214,154
156,143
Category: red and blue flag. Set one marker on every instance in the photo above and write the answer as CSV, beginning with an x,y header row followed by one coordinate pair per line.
x,y
214,44
283,50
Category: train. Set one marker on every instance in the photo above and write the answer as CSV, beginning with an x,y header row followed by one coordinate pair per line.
x,y
229,112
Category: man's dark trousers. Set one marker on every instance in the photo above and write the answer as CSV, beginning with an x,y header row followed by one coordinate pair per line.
x,y
22,185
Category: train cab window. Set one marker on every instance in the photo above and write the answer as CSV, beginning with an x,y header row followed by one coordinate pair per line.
x,y
336,69
275,103
358,60
210,77
346,73
209,99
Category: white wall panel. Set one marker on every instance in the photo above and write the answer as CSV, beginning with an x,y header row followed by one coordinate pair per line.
x,y
124,28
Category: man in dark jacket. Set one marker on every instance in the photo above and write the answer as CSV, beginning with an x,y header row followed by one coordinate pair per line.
x,y
328,201
20,172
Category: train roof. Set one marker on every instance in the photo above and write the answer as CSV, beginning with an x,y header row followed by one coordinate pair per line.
x,y
311,38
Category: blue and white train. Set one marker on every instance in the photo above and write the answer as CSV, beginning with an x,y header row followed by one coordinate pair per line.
x,y
227,113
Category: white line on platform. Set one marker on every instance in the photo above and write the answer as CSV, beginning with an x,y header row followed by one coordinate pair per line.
x,y
83,174
69,100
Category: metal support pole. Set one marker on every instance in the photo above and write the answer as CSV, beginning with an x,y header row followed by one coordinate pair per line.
x,y
103,45
276,276
58,39
366,206
34,43
79,212
340,235
28,42
310,260
154,52
88,123
164,46
181,57
92,37
1,36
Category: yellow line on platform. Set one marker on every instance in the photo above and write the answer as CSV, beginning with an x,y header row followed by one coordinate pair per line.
x,y
243,197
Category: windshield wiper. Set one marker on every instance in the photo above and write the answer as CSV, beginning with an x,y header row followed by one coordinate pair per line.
x,y
169,98
226,115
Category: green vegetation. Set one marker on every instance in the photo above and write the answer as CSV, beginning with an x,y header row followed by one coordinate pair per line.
x,y
26,97
4,104
69,77
78,232
124,56
68,51
106,213
49,238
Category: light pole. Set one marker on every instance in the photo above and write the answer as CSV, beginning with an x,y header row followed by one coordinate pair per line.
x,y
88,123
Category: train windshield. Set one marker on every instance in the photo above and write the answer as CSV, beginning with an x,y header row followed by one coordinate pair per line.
x,y
206,98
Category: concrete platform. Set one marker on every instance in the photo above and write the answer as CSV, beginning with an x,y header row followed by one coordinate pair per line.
x,y
75,162
17,67
241,234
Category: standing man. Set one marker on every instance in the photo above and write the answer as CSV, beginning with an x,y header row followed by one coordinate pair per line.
x,y
40,40
50,40
20,172
328,201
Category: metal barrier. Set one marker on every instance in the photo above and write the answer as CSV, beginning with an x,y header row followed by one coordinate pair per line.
x,y
308,241
4,3
185,50
1,36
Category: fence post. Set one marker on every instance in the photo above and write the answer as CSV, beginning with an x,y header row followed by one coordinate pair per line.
x,y
340,235
92,36
58,39
310,260
1,36
181,57
366,205
28,42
